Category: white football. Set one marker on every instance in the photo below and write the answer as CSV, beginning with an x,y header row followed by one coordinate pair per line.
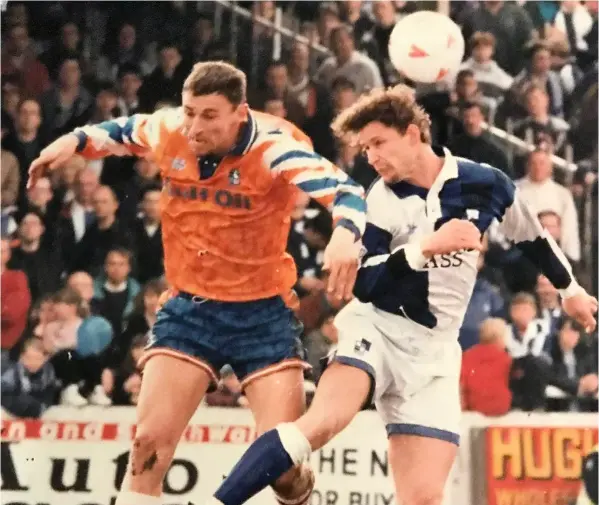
x,y
426,47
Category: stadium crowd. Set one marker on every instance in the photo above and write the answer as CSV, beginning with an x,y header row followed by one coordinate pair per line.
x,y
81,255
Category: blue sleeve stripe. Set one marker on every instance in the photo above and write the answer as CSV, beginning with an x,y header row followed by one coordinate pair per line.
x,y
376,240
317,184
115,132
346,223
82,137
292,155
127,130
351,201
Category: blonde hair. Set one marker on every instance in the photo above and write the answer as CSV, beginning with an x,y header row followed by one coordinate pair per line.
x,y
492,330
394,107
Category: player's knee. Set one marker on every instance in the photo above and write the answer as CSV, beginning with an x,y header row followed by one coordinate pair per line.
x,y
152,452
295,487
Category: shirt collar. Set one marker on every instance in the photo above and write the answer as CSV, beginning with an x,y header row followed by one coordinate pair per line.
x,y
449,171
247,136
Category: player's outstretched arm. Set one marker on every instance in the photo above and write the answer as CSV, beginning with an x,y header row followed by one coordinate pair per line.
x,y
335,190
520,225
138,134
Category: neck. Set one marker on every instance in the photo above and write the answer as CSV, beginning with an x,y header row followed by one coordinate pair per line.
x,y
130,98
27,136
541,118
551,304
150,221
67,89
426,169
105,222
30,245
342,60
113,283
295,76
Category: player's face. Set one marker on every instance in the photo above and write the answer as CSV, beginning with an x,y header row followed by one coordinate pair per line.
x,y
389,152
211,122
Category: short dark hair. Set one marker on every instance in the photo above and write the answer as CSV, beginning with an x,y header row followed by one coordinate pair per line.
x,y
209,77
121,251
394,107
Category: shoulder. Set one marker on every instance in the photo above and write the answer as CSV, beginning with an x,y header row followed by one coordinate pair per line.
x,y
280,141
473,175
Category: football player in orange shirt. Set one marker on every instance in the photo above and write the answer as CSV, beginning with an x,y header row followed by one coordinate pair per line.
x,y
230,177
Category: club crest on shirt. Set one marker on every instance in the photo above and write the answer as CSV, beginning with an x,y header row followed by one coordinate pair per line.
x,y
234,177
178,164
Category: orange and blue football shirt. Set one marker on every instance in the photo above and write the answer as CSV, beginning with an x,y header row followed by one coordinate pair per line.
x,y
225,221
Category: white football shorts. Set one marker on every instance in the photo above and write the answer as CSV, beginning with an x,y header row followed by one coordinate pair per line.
x,y
416,371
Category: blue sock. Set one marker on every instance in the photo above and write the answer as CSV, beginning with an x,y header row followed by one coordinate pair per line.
x,y
261,465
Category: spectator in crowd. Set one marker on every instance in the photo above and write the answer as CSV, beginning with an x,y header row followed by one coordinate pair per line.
x,y
77,216
125,49
492,79
539,124
40,199
67,43
349,63
576,361
75,341
129,83
147,237
486,302
467,92
127,378
228,393
564,64
139,321
37,257
485,375
539,73
277,88
320,341
526,334
328,19
83,284
550,306
474,144
11,179
105,107
166,81
104,234
115,290
25,142
14,303
146,175
19,60
542,193
509,24
202,41
574,21
11,98
376,40
64,180
68,104
354,15
29,385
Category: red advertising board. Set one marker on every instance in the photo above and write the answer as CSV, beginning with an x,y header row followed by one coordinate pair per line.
x,y
535,465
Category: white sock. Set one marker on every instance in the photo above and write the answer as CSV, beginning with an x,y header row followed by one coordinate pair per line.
x,y
294,442
133,498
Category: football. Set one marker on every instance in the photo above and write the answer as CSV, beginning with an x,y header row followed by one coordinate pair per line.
x,y
426,47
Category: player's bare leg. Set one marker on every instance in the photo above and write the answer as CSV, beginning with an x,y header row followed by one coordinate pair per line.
x,y
421,467
341,393
277,398
171,391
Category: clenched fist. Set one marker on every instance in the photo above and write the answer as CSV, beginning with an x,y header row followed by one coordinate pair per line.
x,y
454,235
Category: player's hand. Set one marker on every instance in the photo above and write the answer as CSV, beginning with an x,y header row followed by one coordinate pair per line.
x,y
454,235
341,260
52,157
582,308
